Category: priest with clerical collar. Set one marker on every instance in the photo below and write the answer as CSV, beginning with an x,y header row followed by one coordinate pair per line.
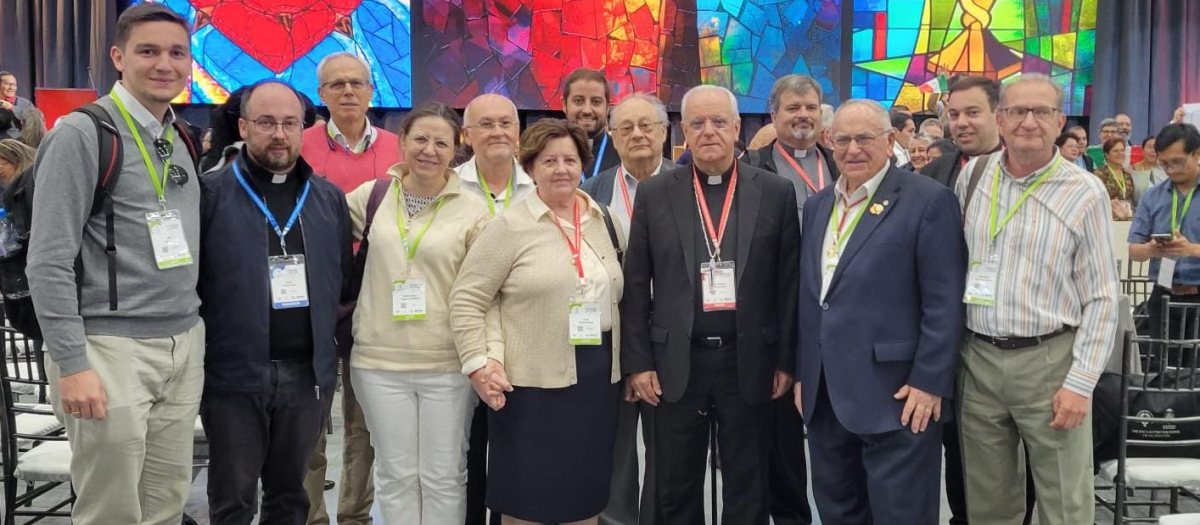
x,y
796,154
718,241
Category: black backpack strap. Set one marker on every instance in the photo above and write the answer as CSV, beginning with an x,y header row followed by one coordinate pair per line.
x,y
111,154
612,233
981,163
184,130
378,192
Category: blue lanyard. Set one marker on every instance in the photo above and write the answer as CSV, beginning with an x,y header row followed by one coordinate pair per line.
x,y
600,158
262,206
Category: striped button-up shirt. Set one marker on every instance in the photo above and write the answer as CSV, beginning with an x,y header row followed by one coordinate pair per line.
x,y
1056,261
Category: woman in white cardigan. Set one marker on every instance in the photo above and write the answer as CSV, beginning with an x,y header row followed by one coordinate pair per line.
x,y
404,363
549,370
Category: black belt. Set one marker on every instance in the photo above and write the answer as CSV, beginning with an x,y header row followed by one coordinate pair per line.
x,y
1017,343
713,342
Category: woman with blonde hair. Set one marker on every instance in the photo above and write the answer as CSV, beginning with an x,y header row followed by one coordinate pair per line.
x,y
405,367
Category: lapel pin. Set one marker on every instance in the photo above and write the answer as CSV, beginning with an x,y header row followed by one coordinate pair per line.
x,y
876,208
885,202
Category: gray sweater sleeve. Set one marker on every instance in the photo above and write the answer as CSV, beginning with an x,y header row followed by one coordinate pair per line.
x,y
65,182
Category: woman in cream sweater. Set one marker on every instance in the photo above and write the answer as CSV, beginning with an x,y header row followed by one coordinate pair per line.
x,y
549,370
404,364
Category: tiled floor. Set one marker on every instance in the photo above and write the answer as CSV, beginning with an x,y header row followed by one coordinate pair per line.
x,y
197,506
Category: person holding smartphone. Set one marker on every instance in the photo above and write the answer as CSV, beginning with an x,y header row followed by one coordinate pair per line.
x,y
1165,231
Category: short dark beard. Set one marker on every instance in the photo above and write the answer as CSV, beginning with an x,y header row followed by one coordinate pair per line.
x,y
263,159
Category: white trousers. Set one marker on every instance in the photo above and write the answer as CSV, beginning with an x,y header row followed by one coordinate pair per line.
x,y
419,423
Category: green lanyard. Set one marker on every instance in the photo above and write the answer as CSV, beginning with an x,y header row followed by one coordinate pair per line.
x,y
400,213
993,228
840,236
1120,180
487,192
137,137
1176,218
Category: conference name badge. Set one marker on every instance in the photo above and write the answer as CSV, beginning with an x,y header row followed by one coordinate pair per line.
x,y
718,283
408,299
168,240
584,321
289,281
981,282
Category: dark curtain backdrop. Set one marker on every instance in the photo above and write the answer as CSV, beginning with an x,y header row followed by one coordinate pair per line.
x,y
52,43
1147,61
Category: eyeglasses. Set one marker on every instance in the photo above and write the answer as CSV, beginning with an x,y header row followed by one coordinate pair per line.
x,y
269,125
340,85
1042,113
864,140
165,150
1173,164
626,129
719,123
489,125
440,145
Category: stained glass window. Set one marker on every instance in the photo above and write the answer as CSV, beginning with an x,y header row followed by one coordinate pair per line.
x,y
897,45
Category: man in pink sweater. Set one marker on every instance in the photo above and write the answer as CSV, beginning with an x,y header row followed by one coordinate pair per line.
x,y
348,151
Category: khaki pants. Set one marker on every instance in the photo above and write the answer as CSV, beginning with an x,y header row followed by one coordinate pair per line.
x,y
1006,397
356,489
135,465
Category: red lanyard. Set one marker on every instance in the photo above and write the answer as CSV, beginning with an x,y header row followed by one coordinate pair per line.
x,y
712,234
846,206
625,190
578,245
796,166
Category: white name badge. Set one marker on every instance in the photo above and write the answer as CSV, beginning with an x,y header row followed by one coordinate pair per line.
x,y
289,281
718,282
584,322
408,299
168,240
981,282
1166,272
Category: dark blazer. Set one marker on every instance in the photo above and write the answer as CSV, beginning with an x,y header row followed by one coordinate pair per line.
x,y
657,332
894,312
600,187
609,158
945,169
235,292
762,158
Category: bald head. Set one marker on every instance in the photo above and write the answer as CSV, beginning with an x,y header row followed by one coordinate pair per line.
x,y
487,102
272,124
492,127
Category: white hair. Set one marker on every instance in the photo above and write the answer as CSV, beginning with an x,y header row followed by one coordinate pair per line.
x,y
928,140
931,123
1036,77
341,54
885,119
467,111
733,104
826,116
660,110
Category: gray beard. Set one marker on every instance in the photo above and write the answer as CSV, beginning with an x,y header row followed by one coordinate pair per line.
x,y
803,135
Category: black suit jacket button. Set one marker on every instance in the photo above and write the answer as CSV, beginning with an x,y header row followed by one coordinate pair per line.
x,y
824,306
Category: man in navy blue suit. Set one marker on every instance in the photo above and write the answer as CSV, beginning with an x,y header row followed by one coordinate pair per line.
x,y
882,273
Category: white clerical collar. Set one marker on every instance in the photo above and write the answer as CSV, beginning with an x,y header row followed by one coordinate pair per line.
x,y
140,114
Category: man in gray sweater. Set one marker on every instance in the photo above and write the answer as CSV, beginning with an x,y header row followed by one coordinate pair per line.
x,y
128,375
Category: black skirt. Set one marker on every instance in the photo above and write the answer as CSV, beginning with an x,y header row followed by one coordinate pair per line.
x,y
550,450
